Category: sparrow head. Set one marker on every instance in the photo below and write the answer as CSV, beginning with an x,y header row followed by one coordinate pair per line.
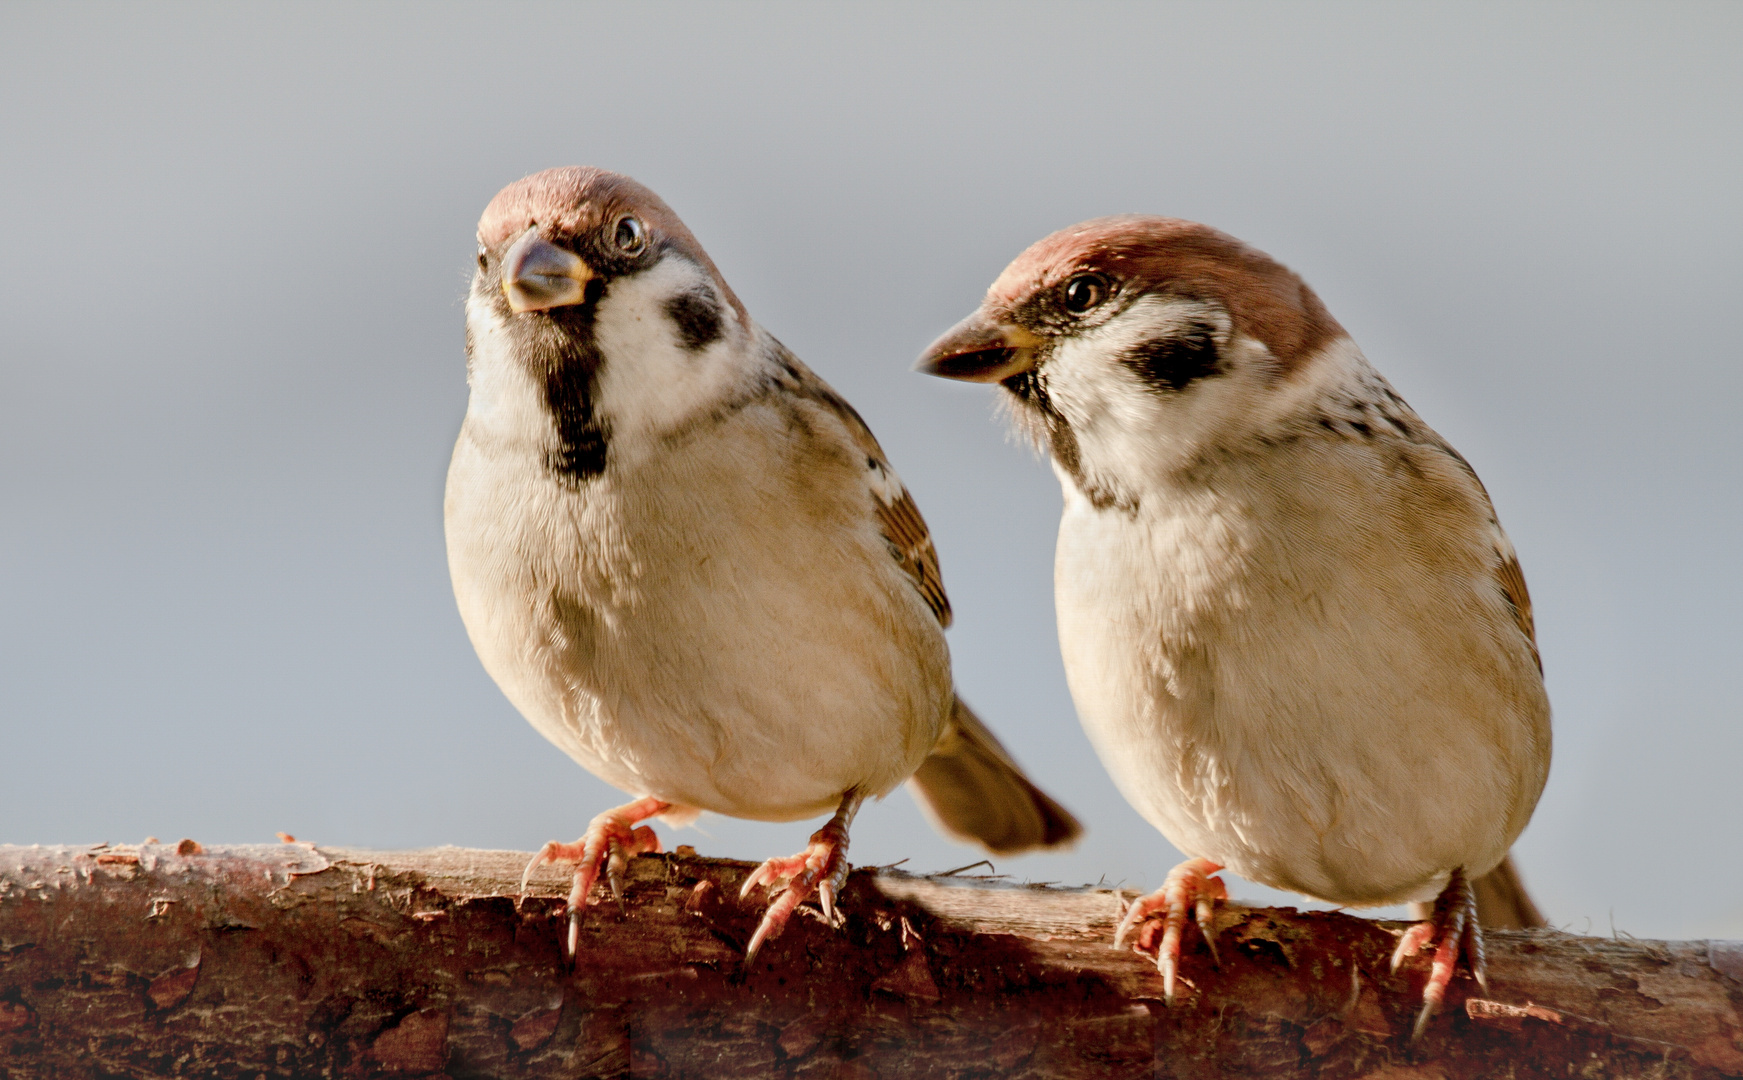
x,y
594,314
1133,342
545,239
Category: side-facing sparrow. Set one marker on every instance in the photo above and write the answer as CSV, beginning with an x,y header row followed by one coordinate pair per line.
x,y
1291,623
686,560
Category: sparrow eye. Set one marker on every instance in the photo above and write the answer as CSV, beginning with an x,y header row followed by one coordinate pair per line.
x,y
483,260
1084,292
631,235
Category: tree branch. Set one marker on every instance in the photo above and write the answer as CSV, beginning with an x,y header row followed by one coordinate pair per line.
x,y
293,960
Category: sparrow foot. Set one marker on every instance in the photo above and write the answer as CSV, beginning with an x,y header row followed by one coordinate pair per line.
x,y
612,839
1188,885
1452,928
820,869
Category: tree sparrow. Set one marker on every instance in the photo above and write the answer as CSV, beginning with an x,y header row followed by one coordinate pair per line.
x,y
1291,623
687,561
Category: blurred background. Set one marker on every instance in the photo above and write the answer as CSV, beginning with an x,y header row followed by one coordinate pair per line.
x,y
233,246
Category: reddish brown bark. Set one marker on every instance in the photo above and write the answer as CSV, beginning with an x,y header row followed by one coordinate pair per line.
x,y
292,960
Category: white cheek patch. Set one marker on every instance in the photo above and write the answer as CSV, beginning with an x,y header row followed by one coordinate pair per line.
x,y
650,380
1153,317
504,395
1095,387
1125,424
1339,366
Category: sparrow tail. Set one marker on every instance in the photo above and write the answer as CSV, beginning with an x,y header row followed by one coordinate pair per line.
x,y
972,790
1503,903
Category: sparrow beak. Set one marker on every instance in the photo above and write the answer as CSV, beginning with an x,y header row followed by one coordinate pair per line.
x,y
977,349
537,274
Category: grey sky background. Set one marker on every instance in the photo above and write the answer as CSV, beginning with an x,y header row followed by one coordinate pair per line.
x,y
234,240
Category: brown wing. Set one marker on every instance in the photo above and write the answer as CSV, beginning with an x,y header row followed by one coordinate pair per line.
x,y
911,544
1508,574
1512,580
904,529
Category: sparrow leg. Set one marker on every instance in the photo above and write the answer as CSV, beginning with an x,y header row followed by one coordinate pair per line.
x,y
1188,885
821,868
1452,927
612,838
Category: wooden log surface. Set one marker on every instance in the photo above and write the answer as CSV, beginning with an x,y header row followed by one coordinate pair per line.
x,y
295,960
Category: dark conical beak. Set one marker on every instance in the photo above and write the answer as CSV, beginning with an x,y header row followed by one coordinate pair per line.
x,y
538,275
977,349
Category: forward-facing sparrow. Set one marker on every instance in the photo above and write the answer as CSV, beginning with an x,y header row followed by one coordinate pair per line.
x,y
686,560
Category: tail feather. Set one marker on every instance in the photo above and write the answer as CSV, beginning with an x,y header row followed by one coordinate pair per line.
x,y
972,790
1502,901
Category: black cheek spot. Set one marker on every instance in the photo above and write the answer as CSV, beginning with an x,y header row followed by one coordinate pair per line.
x,y
697,317
1173,363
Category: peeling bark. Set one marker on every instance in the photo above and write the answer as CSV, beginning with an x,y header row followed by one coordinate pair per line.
x,y
297,961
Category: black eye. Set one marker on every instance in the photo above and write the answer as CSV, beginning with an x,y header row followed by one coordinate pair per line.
x,y
1084,292
631,235
482,260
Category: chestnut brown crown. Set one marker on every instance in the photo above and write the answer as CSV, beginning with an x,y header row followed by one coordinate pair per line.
x,y
572,204
1141,255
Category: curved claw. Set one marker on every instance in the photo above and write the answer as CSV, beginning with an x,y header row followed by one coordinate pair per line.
x,y
771,871
1411,941
821,869
1202,915
773,922
1190,884
1453,925
611,840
